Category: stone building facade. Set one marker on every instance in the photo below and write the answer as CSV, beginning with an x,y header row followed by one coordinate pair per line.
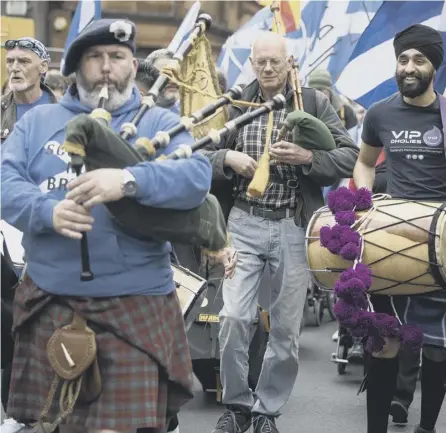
x,y
156,21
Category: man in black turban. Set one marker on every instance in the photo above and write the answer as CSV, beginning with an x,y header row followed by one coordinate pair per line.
x,y
419,51
408,125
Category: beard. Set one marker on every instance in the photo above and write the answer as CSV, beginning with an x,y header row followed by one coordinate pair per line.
x,y
19,87
418,87
118,95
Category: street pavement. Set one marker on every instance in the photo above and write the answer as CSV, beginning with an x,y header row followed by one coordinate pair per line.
x,y
321,402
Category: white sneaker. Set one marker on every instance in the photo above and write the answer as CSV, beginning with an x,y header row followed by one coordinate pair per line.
x,y
335,336
10,425
177,430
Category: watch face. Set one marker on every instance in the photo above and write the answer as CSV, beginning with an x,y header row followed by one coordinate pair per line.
x,y
130,189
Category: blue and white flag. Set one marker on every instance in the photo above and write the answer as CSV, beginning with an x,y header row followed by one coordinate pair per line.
x,y
186,27
86,12
369,75
326,38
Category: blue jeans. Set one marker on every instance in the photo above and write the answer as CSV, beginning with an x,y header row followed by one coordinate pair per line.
x,y
281,246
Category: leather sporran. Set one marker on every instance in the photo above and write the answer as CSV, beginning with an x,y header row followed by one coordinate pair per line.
x,y
72,353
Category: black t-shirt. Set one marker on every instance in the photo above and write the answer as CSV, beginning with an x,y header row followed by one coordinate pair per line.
x,y
413,141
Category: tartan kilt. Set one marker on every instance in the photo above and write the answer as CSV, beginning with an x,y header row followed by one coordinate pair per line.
x,y
142,352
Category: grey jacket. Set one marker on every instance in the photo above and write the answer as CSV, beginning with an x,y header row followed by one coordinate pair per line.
x,y
327,168
9,111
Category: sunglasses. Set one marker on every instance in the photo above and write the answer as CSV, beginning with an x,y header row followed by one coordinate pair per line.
x,y
11,44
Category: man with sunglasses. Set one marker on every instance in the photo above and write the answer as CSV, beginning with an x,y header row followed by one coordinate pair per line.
x,y
27,62
270,231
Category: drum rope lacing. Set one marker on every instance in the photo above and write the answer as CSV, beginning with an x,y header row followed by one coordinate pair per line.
x,y
361,223
347,239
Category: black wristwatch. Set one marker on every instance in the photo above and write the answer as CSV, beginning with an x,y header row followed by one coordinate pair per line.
x,y
129,184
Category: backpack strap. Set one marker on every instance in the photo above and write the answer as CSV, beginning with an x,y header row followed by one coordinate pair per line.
x,y
309,100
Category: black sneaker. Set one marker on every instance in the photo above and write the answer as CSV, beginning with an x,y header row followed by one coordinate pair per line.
x,y
264,424
173,425
236,419
399,413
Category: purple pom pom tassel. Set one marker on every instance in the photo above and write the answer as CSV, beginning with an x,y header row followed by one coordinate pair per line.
x,y
411,337
345,217
325,235
341,199
363,199
349,251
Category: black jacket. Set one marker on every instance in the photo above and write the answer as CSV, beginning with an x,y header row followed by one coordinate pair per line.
x,y
9,111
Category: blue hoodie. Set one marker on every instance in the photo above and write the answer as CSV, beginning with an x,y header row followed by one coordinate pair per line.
x,y
34,178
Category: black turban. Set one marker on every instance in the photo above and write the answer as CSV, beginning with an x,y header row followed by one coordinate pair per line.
x,y
422,38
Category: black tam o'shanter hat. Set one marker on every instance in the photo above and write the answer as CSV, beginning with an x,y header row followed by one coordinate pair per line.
x,y
100,32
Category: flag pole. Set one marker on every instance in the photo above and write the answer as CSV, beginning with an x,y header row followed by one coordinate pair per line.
x,y
275,9
260,180
293,75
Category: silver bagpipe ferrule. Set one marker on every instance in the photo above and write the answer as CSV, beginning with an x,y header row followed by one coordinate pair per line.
x,y
162,138
215,136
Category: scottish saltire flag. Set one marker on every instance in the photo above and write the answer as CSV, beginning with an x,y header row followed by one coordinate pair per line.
x,y
369,75
186,27
86,12
326,37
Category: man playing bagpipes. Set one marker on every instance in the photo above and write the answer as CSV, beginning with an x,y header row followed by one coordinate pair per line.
x,y
408,126
266,225
125,320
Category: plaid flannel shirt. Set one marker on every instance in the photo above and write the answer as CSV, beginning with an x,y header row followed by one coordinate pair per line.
x,y
251,140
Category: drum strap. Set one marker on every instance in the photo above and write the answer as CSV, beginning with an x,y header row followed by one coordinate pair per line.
x,y
435,271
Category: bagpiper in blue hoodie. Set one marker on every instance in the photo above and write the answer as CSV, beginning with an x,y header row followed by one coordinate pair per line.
x,y
34,179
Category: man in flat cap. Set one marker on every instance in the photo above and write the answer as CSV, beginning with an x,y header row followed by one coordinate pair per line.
x,y
408,125
27,62
131,303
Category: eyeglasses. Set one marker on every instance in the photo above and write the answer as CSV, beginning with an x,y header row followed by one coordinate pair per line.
x,y
11,44
275,63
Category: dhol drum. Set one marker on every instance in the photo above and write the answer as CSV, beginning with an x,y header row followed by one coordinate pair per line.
x,y
191,291
404,244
